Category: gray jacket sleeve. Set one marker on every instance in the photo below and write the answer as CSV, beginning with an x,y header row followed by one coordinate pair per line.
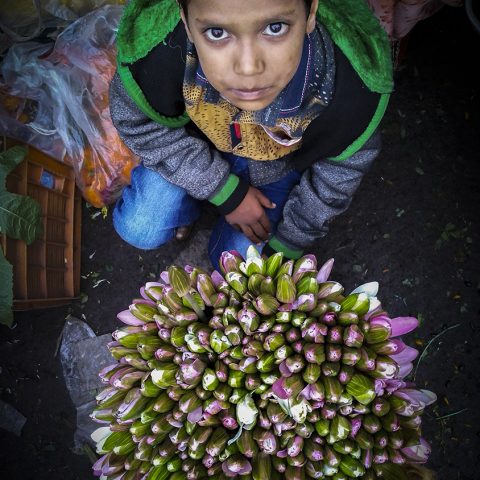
x,y
324,191
181,159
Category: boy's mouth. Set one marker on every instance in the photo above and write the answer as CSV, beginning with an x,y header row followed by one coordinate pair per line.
x,y
250,93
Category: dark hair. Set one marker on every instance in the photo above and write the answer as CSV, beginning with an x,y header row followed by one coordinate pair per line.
x,y
184,4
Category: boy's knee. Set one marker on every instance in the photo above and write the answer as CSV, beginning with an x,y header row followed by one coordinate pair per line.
x,y
139,231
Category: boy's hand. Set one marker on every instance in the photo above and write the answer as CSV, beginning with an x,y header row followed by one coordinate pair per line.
x,y
250,217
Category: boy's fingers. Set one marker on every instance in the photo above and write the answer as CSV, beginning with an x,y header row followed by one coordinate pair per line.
x,y
260,231
248,232
265,201
265,223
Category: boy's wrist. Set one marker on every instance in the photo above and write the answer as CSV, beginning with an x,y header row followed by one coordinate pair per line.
x,y
275,245
230,195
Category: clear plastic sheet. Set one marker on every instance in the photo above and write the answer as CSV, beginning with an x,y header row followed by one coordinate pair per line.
x,y
24,20
11,419
69,81
83,355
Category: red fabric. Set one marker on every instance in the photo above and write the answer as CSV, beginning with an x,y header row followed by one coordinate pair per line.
x,y
398,17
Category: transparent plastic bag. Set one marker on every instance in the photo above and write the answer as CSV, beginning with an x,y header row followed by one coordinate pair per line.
x,y
70,84
83,355
24,20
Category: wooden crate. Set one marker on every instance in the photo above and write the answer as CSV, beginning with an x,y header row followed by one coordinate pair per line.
x,y
47,272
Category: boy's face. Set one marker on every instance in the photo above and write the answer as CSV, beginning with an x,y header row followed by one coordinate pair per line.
x,y
249,49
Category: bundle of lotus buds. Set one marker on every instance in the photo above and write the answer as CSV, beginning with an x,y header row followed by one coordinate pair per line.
x,y
268,370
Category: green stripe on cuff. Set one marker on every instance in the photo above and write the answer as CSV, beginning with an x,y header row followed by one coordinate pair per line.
x,y
278,246
225,192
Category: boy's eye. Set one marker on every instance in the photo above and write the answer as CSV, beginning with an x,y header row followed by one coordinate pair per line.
x,y
276,29
216,34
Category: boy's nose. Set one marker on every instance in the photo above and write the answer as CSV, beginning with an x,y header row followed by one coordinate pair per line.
x,y
249,61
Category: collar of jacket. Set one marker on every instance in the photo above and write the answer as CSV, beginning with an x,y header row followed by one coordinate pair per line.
x,y
351,24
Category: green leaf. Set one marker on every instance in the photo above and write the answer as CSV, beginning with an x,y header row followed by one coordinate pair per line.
x,y
6,291
20,217
9,160
19,214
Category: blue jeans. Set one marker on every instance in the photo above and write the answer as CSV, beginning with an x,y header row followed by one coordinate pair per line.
x,y
151,208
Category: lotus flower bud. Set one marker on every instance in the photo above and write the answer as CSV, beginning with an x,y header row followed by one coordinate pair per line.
x,y
266,363
266,304
361,388
164,376
248,365
191,371
333,353
236,379
390,422
236,464
353,337
179,280
219,341
132,405
339,429
237,281
385,367
315,332
253,265
351,467
273,264
304,265
345,375
371,424
347,318
314,353
307,285
254,284
286,291
268,286
335,334
311,373
351,356
143,311
230,261
205,288
306,302
248,319
328,291
367,360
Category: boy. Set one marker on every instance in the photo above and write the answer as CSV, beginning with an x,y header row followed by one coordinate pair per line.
x,y
266,108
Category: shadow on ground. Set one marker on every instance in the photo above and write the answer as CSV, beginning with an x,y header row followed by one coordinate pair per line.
x,y
413,226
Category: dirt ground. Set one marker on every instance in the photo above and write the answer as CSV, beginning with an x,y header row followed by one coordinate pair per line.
x,y
413,226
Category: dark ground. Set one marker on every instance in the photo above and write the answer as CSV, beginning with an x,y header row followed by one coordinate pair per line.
x,y
413,227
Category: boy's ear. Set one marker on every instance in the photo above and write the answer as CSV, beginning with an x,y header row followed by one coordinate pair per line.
x,y
312,16
185,22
